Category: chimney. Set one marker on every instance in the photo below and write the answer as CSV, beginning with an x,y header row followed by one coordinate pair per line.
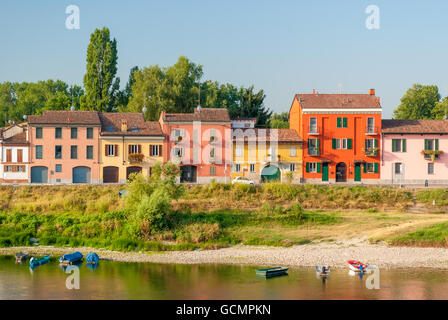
x,y
124,125
372,92
377,100
314,91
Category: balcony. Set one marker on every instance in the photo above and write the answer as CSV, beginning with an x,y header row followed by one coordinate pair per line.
x,y
371,131
431,154
371,152
313,131
313,151
136,158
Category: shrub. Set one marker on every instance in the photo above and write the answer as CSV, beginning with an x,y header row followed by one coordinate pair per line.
x,y
155,209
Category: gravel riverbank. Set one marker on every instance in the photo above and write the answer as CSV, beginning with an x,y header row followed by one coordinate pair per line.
x,y
333,254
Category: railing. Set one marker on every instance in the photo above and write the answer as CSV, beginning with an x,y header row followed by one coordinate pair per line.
x,y
313,131
431,154
371,130
136,157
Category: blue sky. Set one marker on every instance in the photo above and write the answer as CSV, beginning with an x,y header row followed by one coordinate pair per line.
x,y
283,47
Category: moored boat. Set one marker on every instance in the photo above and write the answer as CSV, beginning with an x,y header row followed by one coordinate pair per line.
x,y
21,256
35,262
356,266
323,270
92,258
71,258
271,272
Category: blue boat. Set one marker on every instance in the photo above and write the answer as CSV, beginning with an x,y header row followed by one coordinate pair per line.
x,y
71,258
35,262
92,258
271,272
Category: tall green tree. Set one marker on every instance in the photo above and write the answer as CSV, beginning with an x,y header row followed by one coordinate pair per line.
x,y
100,81
418,102
251,105
279,120
124,95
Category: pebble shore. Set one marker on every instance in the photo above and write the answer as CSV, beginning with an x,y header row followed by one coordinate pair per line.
x,y
333,254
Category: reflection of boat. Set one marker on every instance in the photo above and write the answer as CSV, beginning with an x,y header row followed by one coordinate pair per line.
x,y
92,266
21,256
323,270
71,258
92,258
35,262
356,266
271,272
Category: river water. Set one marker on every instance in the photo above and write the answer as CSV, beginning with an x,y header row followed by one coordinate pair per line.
x,y
119,280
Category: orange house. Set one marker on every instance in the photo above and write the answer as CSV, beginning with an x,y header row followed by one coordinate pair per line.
x,y
341,134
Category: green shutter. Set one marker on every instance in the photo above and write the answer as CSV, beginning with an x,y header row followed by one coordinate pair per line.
x,y
365,167
376,167
338,122
374,143
393,145
403,149
333,143
349,143
426,144
437,144
318,167
307,167
317,147
344,123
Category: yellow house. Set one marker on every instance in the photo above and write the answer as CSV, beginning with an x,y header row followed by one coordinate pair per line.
x,y
128,144
267,154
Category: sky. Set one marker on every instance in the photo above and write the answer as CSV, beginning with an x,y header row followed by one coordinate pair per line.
x,y
283,47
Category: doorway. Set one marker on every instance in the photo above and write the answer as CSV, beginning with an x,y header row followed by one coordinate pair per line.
x,y
358,171
324,171
188,174
341,172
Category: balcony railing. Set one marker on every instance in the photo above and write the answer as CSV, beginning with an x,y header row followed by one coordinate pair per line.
x,y
313,131
136,157
432,154
313,151
371,130
372,152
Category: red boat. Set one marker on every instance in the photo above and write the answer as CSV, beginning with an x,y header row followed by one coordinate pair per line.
x,y
356,265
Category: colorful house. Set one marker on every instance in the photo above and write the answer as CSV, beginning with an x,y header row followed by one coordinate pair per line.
x,y
64,147
200,142
14,149
341,134
265,154
414,152
128,145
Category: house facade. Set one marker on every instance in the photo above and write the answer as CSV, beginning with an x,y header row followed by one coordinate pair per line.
x,y
200,142
341,134
14,149
414,152
128,145
266,154
64,147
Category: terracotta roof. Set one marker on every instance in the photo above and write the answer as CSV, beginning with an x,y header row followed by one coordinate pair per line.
x,y
205,115
414,126
279,135
337,101
136,125
16,139
66,117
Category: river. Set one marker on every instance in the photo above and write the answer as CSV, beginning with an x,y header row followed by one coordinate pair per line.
x,y
120,280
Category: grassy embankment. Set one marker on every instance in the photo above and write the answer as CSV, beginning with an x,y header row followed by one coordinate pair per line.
x,y
213,216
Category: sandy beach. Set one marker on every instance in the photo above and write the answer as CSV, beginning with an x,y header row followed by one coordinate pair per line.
x,y
333,254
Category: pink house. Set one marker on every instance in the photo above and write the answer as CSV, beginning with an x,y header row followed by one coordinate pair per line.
x,y
414,152
64,147
201,142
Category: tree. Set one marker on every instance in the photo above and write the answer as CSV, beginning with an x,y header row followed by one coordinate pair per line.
x,y
418,102
123,96
279,120
251,105
100,82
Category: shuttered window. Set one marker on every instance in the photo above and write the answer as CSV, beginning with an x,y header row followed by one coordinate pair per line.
x,y
19,155
134,148
89,152
73,152
39,152
8,155
89,133
111,150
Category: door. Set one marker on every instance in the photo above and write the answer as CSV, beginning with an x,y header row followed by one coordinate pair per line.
x,y
341,172
39,175
324,171
131,170
81,175
110,174
357,172
188,174
398,172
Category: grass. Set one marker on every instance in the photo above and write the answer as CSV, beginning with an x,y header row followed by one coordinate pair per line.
x,y
439,197
432,236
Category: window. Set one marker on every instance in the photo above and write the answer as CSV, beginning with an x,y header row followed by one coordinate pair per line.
x,y
341,122
212,135
74,133
8,168
312,167
73,152
135,148
239,151
313,147
89,152
134,129
111,150
58,152
39,133
398,145
371,167
432,144
370,143
237,168
292,167
8,155
154,150
39,152
252,167
398,168
58,168
292,151
342,143
370,125
20,168
212,153
212,170
58,133
313,125
89,133
430,168
178,152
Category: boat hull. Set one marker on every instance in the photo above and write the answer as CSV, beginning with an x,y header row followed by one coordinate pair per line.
x,y
271,272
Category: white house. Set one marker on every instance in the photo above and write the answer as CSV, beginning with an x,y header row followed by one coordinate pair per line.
x,y
14,154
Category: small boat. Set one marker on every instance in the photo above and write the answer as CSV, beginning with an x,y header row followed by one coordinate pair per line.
x,y
356,266
35,262
323,270
71,258
271,272
92,258
21,256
